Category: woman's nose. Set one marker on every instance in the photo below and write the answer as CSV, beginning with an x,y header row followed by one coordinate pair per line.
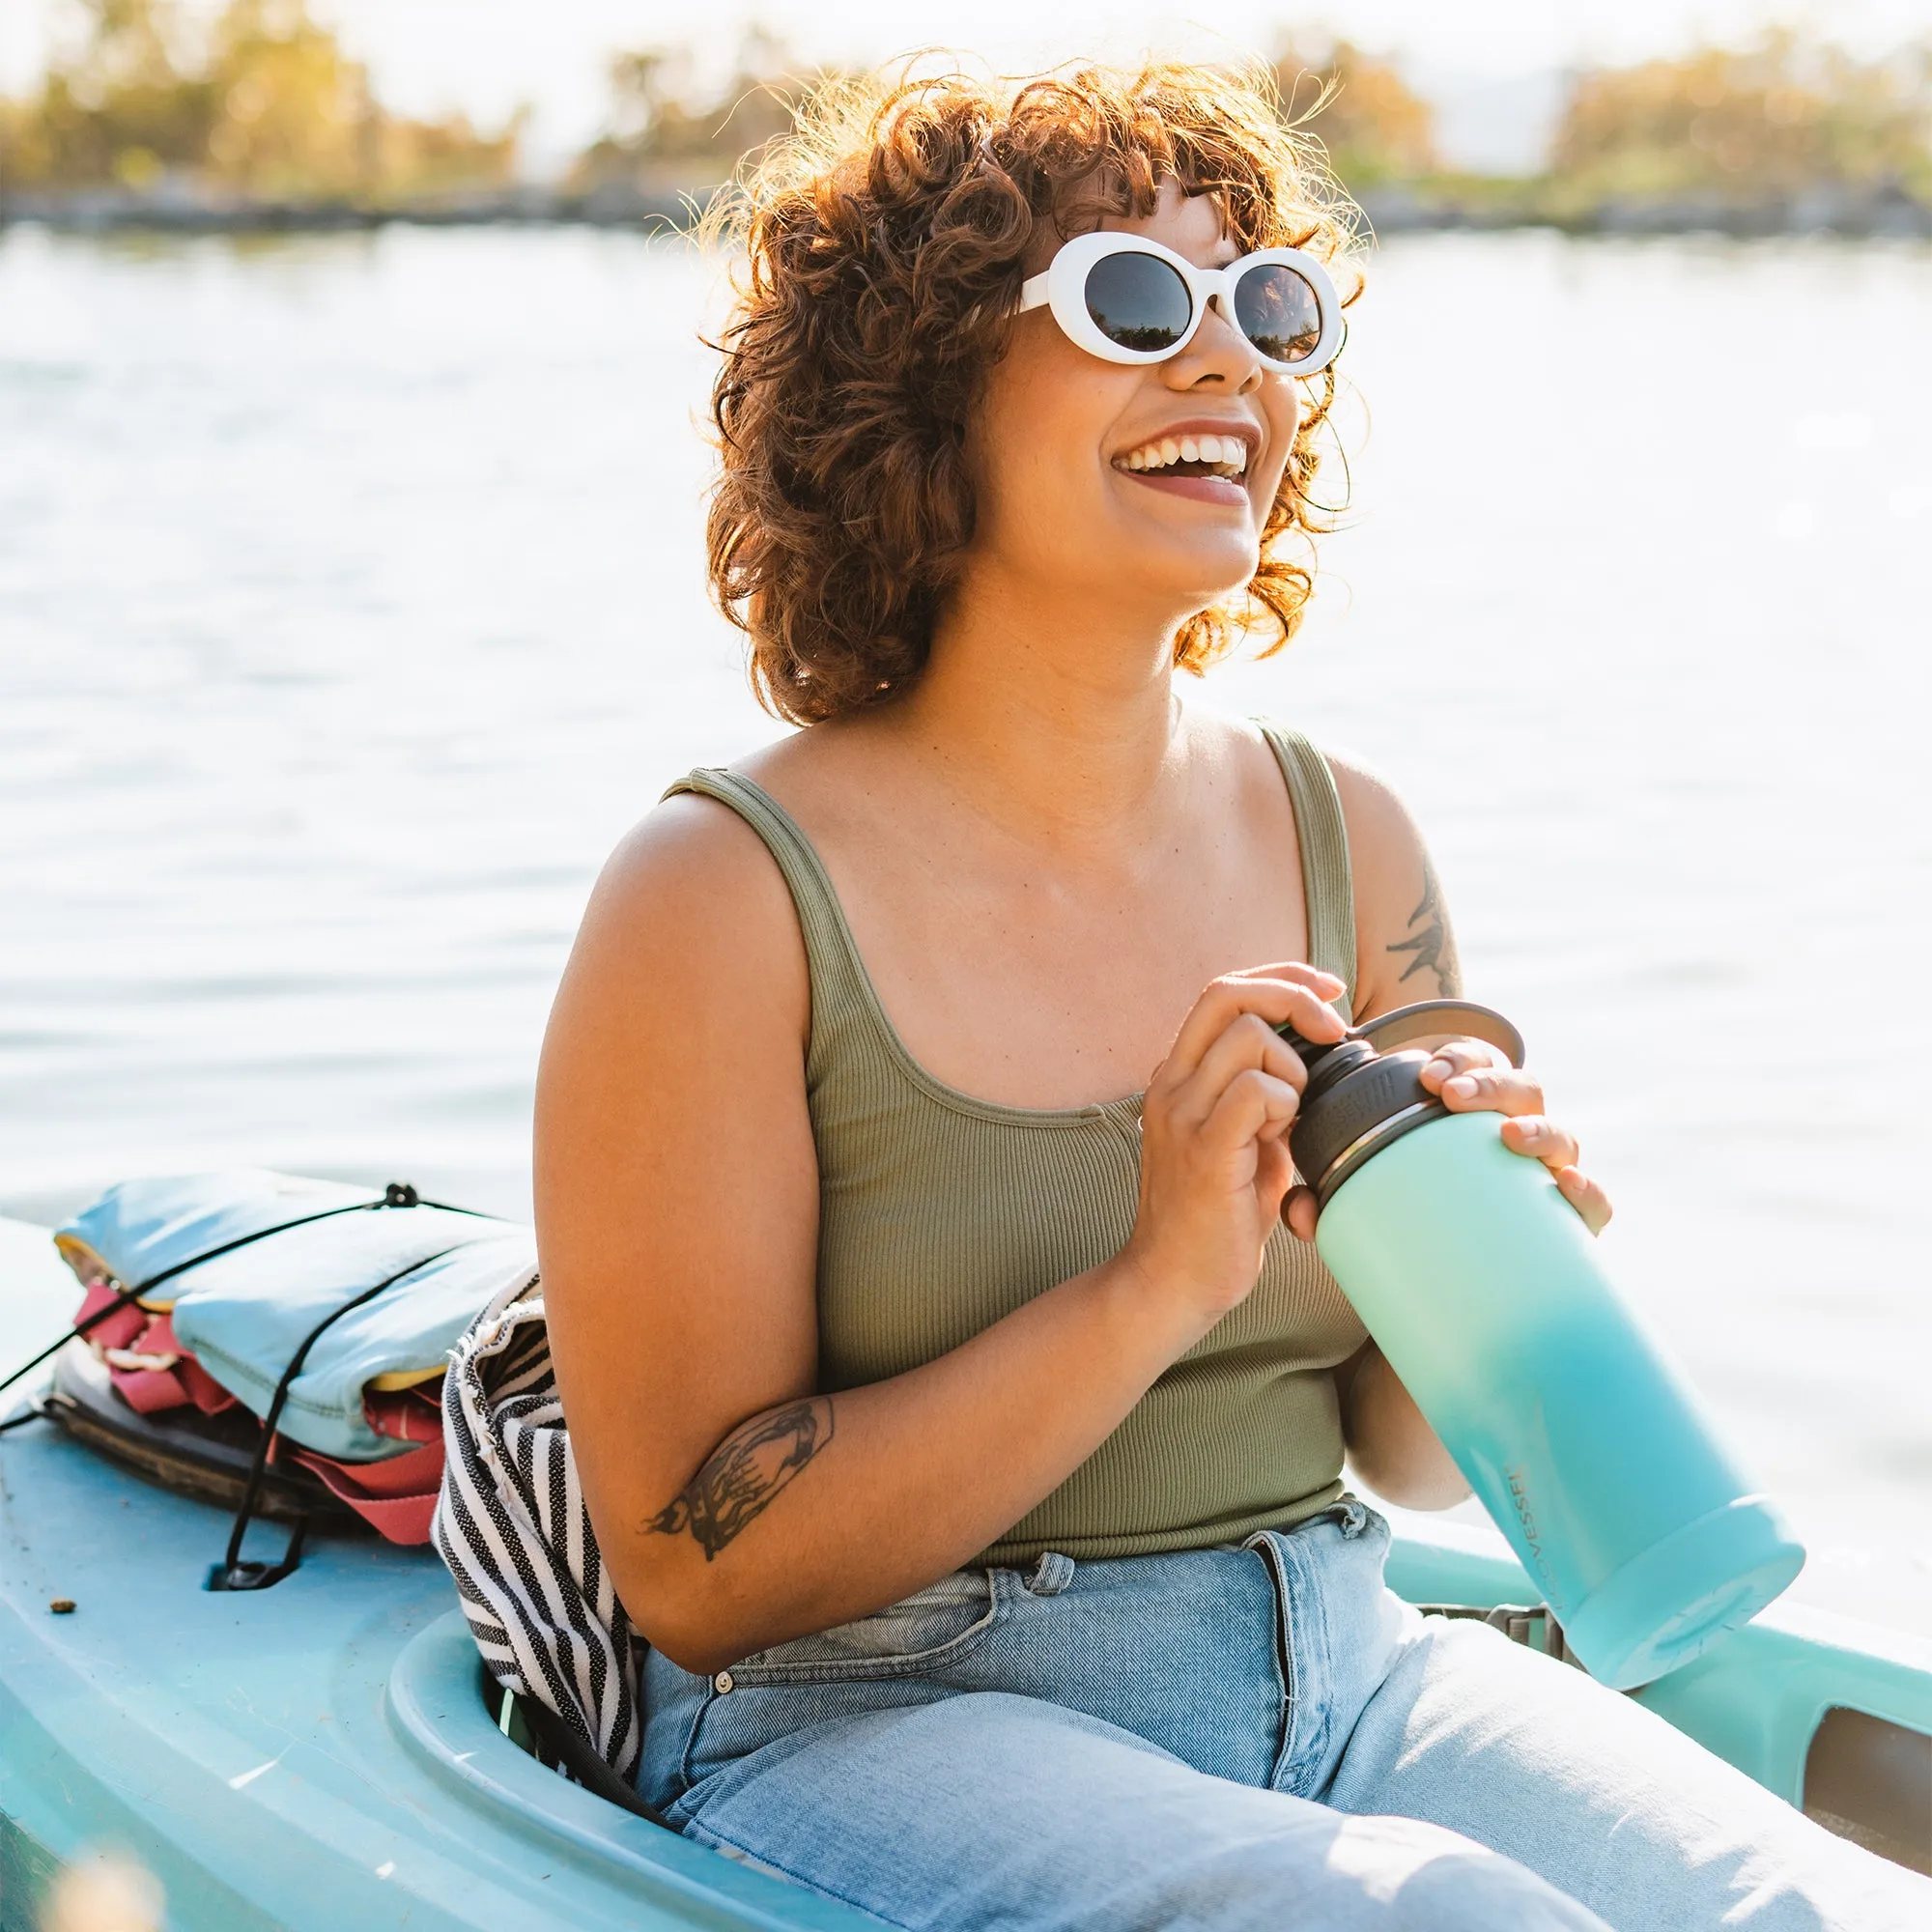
x,y
1219,356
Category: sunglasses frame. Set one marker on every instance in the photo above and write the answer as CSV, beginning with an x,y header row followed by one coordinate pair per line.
x,y
1063,288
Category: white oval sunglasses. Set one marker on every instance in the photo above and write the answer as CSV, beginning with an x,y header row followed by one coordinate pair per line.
x,y
1127,299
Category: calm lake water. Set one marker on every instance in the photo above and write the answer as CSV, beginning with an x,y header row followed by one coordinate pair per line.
x,y
352,605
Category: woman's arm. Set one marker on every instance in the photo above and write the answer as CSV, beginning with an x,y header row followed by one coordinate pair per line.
x,y
1405,952
1390,1447
677,1198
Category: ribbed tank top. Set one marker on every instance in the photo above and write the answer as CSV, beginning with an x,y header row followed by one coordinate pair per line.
x,y
940,1213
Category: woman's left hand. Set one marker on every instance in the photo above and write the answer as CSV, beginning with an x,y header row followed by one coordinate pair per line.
x,y
1463,1074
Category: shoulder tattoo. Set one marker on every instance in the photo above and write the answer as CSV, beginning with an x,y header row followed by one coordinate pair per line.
x,y
744,1474
1428,941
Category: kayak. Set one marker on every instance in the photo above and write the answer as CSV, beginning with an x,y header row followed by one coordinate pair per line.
x,y
329,1752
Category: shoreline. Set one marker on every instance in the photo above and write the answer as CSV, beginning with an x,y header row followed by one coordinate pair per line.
x,y
1883,215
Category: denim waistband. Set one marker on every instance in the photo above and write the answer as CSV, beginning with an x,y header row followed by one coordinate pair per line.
x,y
1250,1663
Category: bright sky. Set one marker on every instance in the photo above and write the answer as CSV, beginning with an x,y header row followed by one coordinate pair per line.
x,y
486,55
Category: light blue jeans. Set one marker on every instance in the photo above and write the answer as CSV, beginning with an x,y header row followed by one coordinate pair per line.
x,y
1230,1739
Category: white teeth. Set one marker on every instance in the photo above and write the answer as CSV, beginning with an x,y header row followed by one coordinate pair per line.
x,y
1219,452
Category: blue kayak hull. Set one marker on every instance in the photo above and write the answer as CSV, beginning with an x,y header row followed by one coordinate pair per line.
x,y
320,1754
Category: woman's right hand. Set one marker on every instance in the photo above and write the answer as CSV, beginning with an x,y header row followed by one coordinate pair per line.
x,y
1214,1158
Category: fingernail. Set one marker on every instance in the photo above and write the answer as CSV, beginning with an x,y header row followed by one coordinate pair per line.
x,y
1464,1087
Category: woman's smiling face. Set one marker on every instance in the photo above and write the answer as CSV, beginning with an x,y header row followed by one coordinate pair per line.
x,y
1081,467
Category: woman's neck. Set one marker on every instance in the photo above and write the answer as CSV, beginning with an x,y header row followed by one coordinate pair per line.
x,y
1049,718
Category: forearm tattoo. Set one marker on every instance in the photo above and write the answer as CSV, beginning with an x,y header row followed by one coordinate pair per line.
x,y
1430,941
744,1474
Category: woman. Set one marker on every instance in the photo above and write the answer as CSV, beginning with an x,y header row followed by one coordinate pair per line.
x,y
960,1424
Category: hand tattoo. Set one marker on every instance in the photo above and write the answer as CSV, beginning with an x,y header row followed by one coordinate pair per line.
x,y
1435,946
745,1472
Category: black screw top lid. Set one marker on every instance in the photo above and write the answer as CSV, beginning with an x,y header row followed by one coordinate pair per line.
x,y
1362,1095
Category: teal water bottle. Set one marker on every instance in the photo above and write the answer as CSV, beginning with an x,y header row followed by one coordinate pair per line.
x,y
1483,1287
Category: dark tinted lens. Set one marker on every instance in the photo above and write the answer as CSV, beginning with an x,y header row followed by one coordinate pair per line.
x,y
1138,301
1277,310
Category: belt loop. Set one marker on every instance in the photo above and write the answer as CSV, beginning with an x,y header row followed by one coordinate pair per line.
x,y
1050,1575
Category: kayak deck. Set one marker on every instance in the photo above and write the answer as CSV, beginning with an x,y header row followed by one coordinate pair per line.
x,y
317,1754
320,1753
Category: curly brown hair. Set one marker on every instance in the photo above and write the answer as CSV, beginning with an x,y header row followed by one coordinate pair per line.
x,y
885,243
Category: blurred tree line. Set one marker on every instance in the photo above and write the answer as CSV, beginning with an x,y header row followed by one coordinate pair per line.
x,y
1778,120
666,131
666,128
1374,125
1785,118
261,104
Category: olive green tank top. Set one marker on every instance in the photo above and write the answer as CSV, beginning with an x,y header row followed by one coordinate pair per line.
x,y
940,1213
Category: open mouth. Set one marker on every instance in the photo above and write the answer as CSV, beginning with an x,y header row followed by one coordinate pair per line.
x,y
1223,455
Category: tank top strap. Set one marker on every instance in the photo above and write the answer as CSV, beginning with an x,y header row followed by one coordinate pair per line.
x,y
840,991
1327,879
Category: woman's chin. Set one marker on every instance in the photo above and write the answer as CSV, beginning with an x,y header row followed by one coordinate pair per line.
x,y
1195,568
1203,515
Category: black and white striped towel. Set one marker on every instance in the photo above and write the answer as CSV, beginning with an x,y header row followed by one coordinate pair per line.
x,y
511,1524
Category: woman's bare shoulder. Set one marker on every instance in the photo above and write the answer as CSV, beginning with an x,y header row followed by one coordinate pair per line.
x,y
1384,843
691,907
1381,830
690,849
1404,947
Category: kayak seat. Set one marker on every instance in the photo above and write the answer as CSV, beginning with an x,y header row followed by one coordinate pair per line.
x,y
537,1731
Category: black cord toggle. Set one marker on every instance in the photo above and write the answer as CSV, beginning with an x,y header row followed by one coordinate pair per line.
x,y
400,1194
245,1573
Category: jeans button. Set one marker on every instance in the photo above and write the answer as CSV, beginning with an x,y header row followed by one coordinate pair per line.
x,y
721,1683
